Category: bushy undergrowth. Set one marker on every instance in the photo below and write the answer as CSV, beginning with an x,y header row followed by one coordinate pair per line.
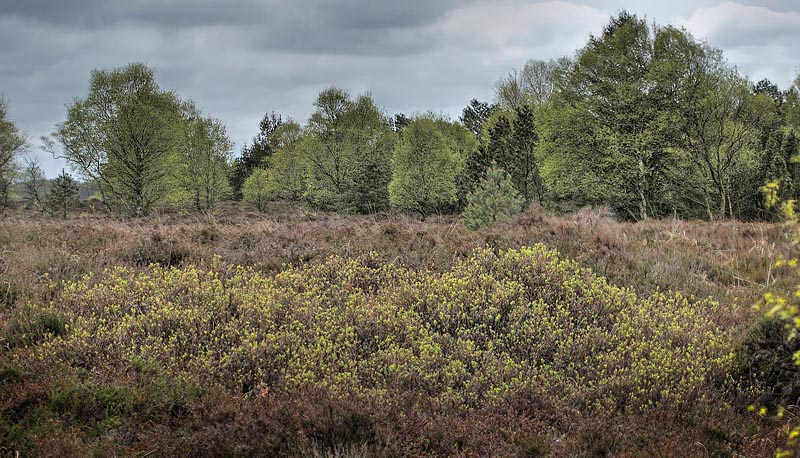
x,y
518,332
731,261
288,355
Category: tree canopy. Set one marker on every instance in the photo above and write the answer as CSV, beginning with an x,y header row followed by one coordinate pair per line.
x,y
12,143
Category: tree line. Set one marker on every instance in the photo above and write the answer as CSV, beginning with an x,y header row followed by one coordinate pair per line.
x,y
644,119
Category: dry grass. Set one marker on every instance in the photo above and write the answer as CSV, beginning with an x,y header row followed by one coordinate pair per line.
x,y
729,261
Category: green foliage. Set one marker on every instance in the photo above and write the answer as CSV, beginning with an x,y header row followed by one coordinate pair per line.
x,y
254,156
785,307
475,115
652,122
774,165
258,189
791,107
493,325
424,168
580,168
12,142
286,167
789,149
495,199
63,195
509,140
609,83
284,174
201,160
32,324
348,153
121,136
534,85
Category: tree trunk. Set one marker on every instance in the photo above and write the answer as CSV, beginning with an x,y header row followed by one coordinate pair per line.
x,y
642,196
708,204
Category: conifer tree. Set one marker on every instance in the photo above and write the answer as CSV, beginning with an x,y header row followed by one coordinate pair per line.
x,y
495,199
63,195
496,150
522,167
789,152
253,156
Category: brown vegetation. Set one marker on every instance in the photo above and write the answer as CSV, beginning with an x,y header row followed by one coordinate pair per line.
x,y
130,412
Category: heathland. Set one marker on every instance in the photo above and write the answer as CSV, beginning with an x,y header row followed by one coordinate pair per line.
x,y
306,333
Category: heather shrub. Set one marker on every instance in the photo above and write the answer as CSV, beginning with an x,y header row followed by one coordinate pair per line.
x,y
31,324
767,362
474,338
165,251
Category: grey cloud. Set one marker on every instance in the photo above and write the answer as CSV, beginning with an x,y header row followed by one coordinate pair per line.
x,y
761,41
238,59
103,13
733,25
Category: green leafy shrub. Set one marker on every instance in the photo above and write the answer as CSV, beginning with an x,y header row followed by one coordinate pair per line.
x,y
490,326
257,189
31,324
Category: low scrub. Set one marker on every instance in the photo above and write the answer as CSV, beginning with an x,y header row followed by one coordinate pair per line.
x,y
509,352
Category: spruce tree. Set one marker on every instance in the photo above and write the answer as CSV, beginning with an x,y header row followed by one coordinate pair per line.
x,y
495,199
253,156
63,195
496,150
789,152
522,167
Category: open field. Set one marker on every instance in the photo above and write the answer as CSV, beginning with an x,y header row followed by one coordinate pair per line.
x,y
315,334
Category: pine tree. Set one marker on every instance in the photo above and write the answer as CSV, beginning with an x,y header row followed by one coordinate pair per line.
x,y
474,115
522,167
253,156
789,152
497,150
63,196
495,199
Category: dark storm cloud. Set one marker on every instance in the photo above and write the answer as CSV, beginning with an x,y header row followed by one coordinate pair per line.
x,y
238,59
282,15
104,13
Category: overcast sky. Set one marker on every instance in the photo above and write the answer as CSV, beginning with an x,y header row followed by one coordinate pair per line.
x,y
240,58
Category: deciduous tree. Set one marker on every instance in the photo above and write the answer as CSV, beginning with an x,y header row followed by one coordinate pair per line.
x,y
202,159
12,143
424,169
121,136
256,189
348,153
34,183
